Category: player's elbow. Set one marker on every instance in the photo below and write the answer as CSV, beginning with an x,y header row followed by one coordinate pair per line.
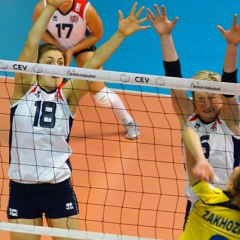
x,y
98,35
92,64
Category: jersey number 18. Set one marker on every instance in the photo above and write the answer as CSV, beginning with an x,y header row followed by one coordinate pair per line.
x,y
46,111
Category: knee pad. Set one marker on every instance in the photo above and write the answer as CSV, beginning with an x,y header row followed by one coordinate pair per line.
x,y
105,97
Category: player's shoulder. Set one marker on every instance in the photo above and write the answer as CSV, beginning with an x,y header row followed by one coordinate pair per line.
x,y
81,7
208,193
81,2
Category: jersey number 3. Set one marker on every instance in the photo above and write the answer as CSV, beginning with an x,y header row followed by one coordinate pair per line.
x,y
217,237
64,26
45,114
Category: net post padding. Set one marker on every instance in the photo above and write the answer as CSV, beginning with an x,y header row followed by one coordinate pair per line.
x,y
120,77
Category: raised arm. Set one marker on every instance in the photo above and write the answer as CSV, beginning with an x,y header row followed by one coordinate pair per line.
x,y
197,166
35,34
30,50
164,28
126,27
230,111
47,36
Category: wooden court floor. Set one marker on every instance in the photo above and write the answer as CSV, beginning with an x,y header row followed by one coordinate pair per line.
x,y
128,187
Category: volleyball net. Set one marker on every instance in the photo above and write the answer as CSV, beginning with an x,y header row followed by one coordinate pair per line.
x,y
126,189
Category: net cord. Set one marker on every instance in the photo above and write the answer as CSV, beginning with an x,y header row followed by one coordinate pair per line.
x,y
57,232
120,77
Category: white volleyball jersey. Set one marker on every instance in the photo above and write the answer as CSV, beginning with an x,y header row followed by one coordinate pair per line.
x,y
220,145
39,134
70,28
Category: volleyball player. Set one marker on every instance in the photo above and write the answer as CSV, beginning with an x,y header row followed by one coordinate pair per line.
x,y
214,117
216,213
77,27
42,113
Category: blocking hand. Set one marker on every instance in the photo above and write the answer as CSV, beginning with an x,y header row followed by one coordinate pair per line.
x,y
160,22
130,25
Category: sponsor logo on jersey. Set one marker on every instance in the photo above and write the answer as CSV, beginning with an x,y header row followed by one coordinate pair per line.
x,y
55,18
69,206
73,19
197,126
214,127
37,94
13,212
78,6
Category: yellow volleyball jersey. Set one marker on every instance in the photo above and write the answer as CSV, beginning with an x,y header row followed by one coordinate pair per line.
x,y
213,216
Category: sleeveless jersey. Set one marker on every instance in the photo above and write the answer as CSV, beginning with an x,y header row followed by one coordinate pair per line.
x,y
220,145
70,28
213,217
39,133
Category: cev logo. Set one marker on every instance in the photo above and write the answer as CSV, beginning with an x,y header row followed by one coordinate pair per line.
x,y
3,65
142,79
19,67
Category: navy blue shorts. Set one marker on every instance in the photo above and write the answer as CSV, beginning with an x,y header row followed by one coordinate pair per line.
x,y
29,201
89,49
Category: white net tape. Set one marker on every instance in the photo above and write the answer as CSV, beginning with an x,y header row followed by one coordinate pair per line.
x,y
57,232
120,77
112,77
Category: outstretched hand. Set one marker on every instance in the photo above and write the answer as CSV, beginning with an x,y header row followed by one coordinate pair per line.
x,y
160,22
233,34
57,3
204,171
130,25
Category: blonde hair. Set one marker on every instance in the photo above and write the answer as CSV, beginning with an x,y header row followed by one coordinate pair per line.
x,y
207,75
236,190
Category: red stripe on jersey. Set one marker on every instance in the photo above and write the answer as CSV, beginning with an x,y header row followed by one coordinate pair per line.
x,y
193,118
59,91
34,89
79,7
218,120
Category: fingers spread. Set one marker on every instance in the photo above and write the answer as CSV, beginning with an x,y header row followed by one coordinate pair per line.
x,y
139,12
133,9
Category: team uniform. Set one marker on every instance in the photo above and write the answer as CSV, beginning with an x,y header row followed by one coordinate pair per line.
x,y
39,132
220,145
213,212
71,28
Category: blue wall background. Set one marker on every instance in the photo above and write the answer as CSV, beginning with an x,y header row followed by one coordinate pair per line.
x,y
199,44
